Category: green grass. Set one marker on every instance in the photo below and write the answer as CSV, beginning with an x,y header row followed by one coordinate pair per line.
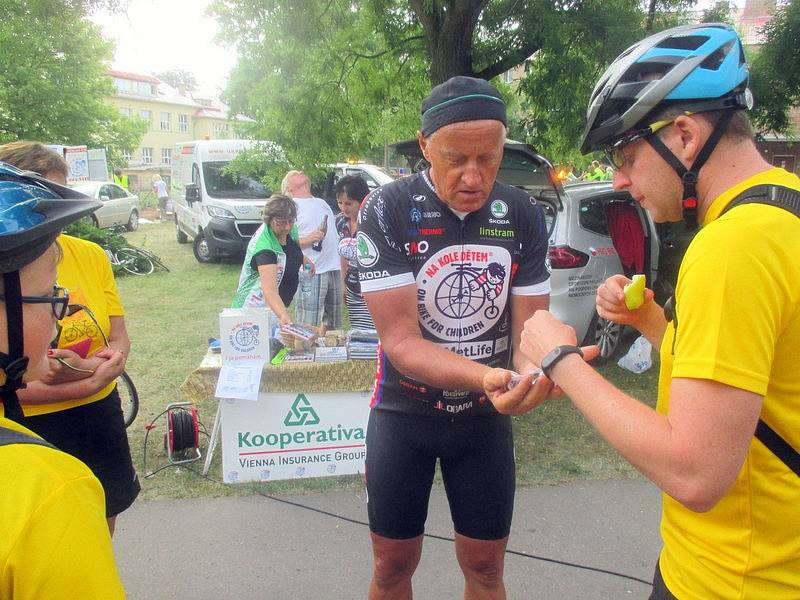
x,y
170,317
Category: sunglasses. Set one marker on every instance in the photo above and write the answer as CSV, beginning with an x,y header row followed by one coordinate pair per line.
x,y
58,301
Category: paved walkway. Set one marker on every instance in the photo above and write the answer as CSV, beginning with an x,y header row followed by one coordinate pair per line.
x,y
254,547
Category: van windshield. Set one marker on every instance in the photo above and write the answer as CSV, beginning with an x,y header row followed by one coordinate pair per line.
x,y
227,185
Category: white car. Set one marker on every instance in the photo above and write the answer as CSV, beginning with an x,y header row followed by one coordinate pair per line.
x,y
372,174
120,207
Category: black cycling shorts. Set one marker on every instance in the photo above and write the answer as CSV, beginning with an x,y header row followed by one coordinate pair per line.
x,y
476,457
95,434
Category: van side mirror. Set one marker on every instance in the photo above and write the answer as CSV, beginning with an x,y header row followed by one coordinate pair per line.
x,y
192,193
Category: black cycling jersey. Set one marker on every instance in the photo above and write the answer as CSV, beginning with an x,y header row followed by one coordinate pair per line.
x,y
465,271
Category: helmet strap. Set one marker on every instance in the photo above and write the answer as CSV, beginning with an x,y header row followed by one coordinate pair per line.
x,y
689,176
15,363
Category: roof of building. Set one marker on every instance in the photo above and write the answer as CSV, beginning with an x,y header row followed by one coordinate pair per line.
x,y
132,76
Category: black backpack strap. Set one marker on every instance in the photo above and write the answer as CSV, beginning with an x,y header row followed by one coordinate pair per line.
x,y
772,195
779,446
10,436
787,199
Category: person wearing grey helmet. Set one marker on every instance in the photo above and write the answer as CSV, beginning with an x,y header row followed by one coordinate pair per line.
x,y
722,443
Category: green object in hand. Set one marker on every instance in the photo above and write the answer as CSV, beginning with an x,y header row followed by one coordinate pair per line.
x,y
634,292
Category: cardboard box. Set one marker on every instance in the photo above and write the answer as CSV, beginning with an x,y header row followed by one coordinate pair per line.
x,y
244,334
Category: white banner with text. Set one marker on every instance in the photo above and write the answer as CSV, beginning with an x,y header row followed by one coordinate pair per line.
x,y
297,435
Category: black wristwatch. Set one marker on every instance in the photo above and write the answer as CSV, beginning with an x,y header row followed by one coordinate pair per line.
x,y
555,355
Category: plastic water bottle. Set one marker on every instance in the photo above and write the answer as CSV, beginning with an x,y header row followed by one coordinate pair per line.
x,y
305,280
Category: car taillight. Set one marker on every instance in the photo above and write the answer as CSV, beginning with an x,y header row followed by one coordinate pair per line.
x,y
564,257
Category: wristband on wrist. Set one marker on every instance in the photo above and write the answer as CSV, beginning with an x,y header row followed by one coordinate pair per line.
x,y
555,355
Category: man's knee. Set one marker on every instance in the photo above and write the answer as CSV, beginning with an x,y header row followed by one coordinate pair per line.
x,y
487,570
394,560
482,561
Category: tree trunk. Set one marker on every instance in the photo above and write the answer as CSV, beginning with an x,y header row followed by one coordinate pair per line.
x,y
449,27
651,15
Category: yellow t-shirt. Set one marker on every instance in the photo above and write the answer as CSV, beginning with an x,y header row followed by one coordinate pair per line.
x,y
54,539
738,308
85,271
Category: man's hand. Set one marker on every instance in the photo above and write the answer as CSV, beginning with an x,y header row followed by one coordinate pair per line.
x,y
610,301
543,332
524,397
315,236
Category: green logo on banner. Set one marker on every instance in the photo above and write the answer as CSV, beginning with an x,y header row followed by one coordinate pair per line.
x,y
302,413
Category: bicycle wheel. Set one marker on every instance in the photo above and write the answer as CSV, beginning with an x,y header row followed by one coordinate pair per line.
x,y
129,398
156,260
134,262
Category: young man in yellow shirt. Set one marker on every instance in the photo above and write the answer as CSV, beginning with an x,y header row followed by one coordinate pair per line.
x,y
670,114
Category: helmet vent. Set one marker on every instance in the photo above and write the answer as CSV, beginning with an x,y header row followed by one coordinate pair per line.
x,y
715,59
684,42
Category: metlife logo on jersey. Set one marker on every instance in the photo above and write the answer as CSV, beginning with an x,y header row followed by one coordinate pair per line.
x,y
462,291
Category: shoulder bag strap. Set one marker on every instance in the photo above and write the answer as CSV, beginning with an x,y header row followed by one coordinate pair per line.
x,y
787,199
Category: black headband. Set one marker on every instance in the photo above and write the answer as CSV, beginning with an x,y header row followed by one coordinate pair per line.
x,y
461,99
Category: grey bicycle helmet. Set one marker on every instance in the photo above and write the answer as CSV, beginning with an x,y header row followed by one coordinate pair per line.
x,y
33,211
701,63
701,67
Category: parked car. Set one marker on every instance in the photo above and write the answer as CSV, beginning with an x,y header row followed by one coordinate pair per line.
x,y
597,233
120,207
594,232
373,175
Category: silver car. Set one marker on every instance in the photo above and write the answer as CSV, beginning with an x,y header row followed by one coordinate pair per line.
x,y
596,232
120,207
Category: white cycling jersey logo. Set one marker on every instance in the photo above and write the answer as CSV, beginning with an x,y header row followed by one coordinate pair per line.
x,y
367,250
462,290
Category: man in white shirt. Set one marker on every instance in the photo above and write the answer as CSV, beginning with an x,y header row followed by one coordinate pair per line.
x,y
319,296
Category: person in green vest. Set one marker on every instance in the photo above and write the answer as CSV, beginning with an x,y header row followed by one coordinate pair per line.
x,y
595,172
120,179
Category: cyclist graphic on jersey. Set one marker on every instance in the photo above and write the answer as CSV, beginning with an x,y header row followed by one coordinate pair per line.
x,y
464,292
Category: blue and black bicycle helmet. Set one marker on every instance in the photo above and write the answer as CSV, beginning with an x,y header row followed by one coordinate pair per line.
x,y
33,211
701,67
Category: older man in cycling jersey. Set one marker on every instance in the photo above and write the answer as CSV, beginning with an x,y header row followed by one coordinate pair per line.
x,y
451,264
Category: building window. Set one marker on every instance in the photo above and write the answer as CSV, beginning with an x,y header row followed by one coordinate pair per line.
x,y
147,156
125,112
165,121
147,115
127,155
183,123
166,156
220,130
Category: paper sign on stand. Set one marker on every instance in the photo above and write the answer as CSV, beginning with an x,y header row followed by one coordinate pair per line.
x,y
240,380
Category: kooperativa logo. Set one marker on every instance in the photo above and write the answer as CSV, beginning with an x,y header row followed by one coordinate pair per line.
x,y
244,337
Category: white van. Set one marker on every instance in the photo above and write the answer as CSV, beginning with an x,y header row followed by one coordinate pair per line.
x,y
221,214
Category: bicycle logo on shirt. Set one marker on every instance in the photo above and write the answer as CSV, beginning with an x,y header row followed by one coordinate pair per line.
x,y
463,290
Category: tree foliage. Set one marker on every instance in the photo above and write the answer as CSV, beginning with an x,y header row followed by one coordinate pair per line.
x,y
179,78
775,73
52,82
333,78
